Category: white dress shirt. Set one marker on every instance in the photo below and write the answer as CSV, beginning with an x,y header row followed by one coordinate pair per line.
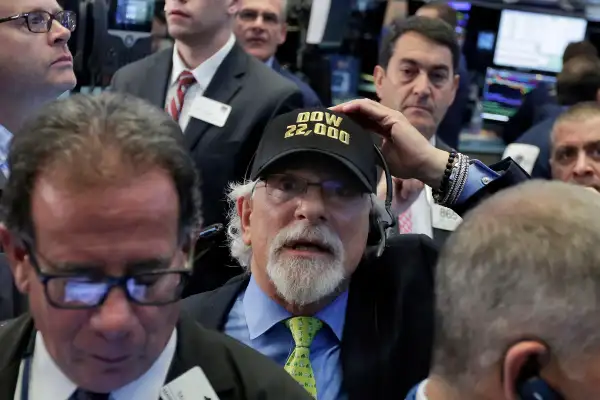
x,y
5,138
421,209
204,74
48,382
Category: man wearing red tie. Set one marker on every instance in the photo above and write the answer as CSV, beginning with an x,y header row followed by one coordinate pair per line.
x,y
222,99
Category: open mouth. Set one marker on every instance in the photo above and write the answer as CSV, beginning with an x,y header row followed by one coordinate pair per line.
x,y
308,246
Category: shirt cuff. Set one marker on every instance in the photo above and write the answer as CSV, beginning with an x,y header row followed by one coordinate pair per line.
x,y
479,175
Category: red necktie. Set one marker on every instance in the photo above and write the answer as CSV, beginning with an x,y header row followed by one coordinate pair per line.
x,y
184,82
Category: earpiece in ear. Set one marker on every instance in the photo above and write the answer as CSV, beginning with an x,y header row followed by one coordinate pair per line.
x,y
536,388
531,387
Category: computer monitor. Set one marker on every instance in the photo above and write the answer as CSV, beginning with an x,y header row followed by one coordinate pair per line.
x,y
504,91
535,41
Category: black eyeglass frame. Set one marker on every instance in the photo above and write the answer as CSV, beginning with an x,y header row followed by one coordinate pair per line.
x,y
71,15
112,281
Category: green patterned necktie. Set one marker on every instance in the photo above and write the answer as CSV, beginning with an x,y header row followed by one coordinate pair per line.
x,y
304,330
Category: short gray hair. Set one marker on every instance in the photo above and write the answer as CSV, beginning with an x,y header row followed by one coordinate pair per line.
x,y
524,264
98,139
240,250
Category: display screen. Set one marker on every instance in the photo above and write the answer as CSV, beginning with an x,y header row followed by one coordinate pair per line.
x,y
535,41
504,91
131,15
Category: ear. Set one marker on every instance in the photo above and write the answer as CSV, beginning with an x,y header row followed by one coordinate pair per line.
x,y
455,83
244,210
379,76
514,361
17,259
282,33
233,7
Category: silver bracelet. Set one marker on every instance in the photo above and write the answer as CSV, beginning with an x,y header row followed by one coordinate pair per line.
x,y
458,180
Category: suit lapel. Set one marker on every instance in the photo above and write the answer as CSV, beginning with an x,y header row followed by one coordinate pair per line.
x,y
212,309
193,349
14,338
359,361
223,86
160,72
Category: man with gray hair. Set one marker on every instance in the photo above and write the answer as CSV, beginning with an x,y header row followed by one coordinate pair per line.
x,y
100,212
346,315
517,309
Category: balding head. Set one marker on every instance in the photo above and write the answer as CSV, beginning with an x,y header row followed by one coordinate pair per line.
x,y
524,264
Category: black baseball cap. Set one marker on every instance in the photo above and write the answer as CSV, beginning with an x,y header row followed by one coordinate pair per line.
x,y
320,131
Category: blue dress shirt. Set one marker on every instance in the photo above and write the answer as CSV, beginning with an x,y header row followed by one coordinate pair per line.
x,y
257,321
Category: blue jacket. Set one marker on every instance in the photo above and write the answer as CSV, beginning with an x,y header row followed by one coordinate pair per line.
x,y
310,97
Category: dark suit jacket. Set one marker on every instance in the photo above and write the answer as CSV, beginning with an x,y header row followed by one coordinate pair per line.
x,y
388,332
12,303
256,94
529,113
539,136
452,124
309,96
234,370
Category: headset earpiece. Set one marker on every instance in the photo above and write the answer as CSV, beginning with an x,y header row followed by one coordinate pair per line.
x,y
531,387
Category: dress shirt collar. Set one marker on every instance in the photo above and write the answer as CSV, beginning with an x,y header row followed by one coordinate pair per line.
x,y
262,313
270,61
48,382
205,71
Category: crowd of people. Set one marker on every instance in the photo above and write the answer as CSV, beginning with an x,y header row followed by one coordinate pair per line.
x,y
208,229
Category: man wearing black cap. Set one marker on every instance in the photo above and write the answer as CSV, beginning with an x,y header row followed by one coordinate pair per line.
x,y
344,322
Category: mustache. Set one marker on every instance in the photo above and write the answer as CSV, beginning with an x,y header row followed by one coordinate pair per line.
x,y
320,235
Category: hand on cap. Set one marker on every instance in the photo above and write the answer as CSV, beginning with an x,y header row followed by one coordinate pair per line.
x,y
405,192
407,152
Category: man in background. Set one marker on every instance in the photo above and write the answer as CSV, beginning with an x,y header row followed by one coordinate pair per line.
x,y
516,306
35,67
575,152
578,82
222,99
417,75
542,102
451,126
261,27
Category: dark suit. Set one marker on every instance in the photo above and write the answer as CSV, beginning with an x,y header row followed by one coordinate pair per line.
x,y
12,303
309,96
388,331
234,370
255,93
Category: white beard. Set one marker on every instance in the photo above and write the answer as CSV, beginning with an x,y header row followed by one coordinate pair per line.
x,y
302,280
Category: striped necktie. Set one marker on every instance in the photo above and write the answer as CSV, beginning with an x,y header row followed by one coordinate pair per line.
x,y
81,394
184,82
304,330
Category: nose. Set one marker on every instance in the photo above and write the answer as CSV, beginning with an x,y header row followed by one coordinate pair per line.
x,y
422,85
311,206
583,165
59,35
114,319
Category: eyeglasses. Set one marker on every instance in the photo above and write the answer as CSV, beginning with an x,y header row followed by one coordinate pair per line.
x,y
336,193
86,291
251,16
41,21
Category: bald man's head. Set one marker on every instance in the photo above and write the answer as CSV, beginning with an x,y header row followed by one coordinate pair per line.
x,y
523,266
